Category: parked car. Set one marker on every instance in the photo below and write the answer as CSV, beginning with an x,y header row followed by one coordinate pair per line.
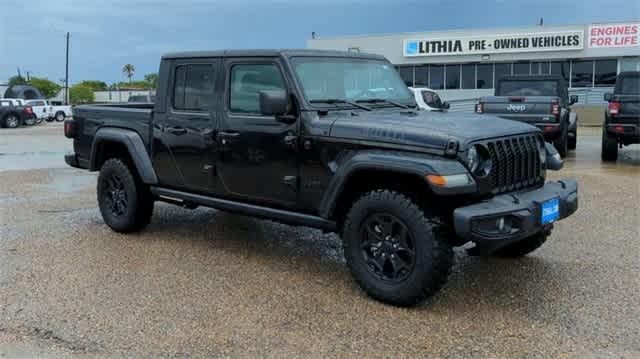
x,y
286,135
60,111
621,125
428,99
41,108
542,101
13,115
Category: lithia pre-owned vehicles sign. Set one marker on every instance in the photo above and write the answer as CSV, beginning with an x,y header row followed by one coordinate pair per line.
x,y
498,43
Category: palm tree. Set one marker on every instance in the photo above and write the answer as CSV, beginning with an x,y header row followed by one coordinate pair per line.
x,y
128,70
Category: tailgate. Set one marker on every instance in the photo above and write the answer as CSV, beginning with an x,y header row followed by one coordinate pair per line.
x,y
525,109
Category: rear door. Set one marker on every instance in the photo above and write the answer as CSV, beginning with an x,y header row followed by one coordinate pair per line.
x,y
258,158
184,136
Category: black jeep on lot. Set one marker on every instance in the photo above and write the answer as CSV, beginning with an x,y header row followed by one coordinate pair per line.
x,y
542,101
330,140
621,125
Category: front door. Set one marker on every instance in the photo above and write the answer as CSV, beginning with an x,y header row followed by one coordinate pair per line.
x,y
258,161
185,146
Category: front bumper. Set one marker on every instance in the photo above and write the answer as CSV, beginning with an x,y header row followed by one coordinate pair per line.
x,y
520,211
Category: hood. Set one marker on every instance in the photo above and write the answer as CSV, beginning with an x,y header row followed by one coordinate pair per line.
x,y
424,128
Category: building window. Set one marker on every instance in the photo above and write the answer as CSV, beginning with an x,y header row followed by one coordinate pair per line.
x,y
502,70
560,68
422,76
582,74
469,76
484,78
452,76
605,74
436,77
521,68
406,73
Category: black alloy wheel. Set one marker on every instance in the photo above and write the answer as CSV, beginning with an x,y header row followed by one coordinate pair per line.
x,y
387,247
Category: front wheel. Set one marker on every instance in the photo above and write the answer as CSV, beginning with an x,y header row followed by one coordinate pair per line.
x,y
125,202
60,116
30,121
394,250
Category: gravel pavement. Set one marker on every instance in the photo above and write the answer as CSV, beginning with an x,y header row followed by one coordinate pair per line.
x,y
205,283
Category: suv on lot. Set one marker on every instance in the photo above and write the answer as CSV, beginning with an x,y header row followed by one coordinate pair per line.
x,y
542,101
330,140
622,117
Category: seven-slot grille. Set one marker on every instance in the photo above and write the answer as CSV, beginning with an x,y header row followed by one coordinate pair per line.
x,y
516,163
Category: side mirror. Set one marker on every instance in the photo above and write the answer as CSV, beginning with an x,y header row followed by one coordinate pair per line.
x,y
273,102
573,99
554,162
608,96
445,105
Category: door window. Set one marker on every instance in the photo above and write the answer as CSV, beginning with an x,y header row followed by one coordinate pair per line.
x,y
193,88
247,80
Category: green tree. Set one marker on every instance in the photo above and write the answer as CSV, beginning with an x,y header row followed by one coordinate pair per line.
x,y
80,94
47,88
142,85
95,85
128,70
152,80
17,80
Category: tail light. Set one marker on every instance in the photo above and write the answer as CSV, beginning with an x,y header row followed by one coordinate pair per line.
x,y
479,107
69,128
614,108
555,108
28,110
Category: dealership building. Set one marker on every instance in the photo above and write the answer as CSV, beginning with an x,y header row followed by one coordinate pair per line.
x,y
464,64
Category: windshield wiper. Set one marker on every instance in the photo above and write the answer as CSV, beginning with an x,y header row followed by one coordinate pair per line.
x,y
382,100
332,101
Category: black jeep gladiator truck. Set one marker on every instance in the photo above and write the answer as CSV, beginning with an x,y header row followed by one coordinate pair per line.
x,y
330,140
622,117
542,101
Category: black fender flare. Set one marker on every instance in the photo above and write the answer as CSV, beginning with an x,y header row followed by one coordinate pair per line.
x,y
417,164
135,146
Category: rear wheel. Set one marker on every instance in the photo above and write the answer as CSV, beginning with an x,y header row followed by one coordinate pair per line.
x,y
561,143
394,250
30,121
609,147
60,116
573,141
11,121
125,202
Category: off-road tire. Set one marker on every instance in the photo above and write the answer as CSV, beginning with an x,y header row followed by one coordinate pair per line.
x,y
523,247
433,257
609,148
561,143
10,121
573,142
139,201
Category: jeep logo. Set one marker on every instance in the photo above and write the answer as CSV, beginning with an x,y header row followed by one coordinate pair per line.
x,y
516,108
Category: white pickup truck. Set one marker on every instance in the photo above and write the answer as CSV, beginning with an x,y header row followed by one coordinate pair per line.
x,y
46,110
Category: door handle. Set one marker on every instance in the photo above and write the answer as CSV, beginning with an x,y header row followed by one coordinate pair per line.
x,y
177,130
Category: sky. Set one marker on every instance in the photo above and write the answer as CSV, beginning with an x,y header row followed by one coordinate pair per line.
x,y
105,34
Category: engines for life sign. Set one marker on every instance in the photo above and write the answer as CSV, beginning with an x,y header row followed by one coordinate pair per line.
x,y
493,44
614,35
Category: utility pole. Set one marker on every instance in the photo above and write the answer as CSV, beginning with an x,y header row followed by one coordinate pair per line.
x,y
66,75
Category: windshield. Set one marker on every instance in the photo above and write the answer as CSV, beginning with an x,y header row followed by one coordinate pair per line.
x,y
527,88
350,80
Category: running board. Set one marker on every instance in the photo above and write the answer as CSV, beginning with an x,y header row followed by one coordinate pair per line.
x,y
279,215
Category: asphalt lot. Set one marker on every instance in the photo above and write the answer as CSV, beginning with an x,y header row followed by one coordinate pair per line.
x,y
207,284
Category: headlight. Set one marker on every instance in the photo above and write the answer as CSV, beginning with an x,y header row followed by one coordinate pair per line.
x,y
478,160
